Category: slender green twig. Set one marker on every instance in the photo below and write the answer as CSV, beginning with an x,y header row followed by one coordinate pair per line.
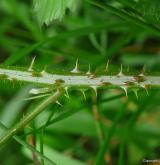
x,y
23,143
41,145
103,150
28,118
98,122
122,146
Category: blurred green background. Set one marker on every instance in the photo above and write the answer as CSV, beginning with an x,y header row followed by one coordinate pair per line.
x,y
124,131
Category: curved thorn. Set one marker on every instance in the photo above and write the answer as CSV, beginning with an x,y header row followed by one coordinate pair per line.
x,y
125,88
30,69
57,102
136,92
94,89
83,93
44,70
66,91
144,86
107,66
76,68
121,72
89,70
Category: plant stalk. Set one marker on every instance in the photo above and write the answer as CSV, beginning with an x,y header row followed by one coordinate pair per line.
x,y
78,80
29,117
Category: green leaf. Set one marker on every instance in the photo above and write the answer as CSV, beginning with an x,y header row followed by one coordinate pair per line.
x,y
49,10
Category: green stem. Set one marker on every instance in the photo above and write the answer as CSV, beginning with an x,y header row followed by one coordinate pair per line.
x,y
41,144
98,122
126,16
77,80
104,148
23,143
122,146
28,118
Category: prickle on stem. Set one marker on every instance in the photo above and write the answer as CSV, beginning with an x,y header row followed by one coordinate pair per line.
x,y
94,88
89,70
125,88
136,93
76,68
107,66
83,93
66,92
43,72
145,87
57,102
30,69
121,72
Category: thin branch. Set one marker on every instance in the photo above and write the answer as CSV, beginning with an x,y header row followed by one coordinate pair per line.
x,y
105,145
29,117
23,143
79,79
98,122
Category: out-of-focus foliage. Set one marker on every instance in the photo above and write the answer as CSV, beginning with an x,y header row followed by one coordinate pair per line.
x,y
74,133
49,10
146,8
150,10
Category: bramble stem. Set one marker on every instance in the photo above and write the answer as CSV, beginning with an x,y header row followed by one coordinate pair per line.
x,y
29,117
78,80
